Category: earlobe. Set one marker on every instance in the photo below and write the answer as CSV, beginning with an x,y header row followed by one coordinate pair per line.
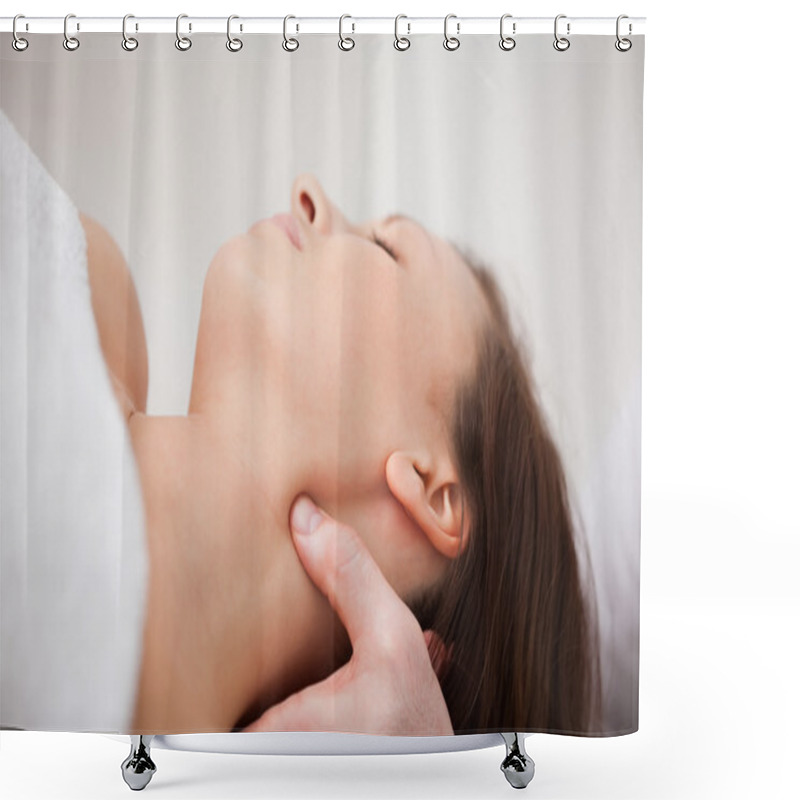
x,y
429,491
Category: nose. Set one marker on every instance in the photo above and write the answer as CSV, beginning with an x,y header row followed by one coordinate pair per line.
x,y
311,206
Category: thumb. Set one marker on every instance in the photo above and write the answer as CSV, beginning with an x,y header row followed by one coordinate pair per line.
x,y
310,709
339,563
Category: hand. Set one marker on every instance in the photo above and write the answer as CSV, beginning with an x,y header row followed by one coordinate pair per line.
x,y
389,685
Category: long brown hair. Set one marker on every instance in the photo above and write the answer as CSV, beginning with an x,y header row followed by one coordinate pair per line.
x,y
512,609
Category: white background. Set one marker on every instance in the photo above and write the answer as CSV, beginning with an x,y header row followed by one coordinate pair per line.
x,y
720,611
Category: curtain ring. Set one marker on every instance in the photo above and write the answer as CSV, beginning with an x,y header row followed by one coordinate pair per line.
x,y
182,42
346,42
561,43
290,44
18,43
623,45
507,42
70,42
451,42
401,42
129,43
233,44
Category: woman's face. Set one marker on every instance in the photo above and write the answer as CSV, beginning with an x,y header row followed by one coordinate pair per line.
x,y
308,322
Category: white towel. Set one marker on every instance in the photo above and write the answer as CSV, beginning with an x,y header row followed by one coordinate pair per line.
x,y
73,559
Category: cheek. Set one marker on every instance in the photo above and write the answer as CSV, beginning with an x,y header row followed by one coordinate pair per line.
x,y
343,366
373,351
342,322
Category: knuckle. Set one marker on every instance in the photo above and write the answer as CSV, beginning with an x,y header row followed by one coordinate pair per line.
x,y
406,625
387,643
395,633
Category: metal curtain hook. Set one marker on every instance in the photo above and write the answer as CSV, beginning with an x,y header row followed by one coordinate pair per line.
x,y
233,44
290,44
401,42
182,42
346,42
18,43
561,43
451,42
70,42
507,42
129,43
623,45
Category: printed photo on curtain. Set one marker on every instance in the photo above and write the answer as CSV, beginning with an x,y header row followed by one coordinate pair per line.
x,y
320,383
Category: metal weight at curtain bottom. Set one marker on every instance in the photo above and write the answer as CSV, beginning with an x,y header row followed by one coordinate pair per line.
x,y
138,768
518,767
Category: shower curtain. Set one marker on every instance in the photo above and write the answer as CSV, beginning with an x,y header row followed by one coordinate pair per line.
x,y
402,281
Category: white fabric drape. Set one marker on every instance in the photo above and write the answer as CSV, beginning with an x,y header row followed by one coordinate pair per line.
x,y
72,549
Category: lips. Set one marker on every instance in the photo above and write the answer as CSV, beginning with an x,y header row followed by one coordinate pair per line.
x,y
288,224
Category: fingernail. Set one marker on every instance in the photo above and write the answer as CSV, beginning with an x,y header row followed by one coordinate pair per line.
x,y
306,517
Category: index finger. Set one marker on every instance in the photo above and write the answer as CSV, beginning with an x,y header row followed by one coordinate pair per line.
x,y
339,563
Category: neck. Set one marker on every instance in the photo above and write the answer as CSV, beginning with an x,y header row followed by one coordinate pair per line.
x,y
233,623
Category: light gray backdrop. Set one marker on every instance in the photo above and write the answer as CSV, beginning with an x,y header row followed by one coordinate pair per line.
x,y
531,158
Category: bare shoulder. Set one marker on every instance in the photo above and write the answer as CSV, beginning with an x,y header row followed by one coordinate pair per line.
x,y
118,317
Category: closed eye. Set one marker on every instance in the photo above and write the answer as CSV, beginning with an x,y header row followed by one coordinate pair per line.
x,y
378,241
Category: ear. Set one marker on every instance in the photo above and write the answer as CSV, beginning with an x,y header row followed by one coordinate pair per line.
x,y
428,489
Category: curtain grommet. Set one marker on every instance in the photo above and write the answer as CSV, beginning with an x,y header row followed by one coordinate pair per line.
x,y
451,43
401,43
183,43
507,42
561,43
70,43
129,43
346,43
19,43
623,44
289,44
233,44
